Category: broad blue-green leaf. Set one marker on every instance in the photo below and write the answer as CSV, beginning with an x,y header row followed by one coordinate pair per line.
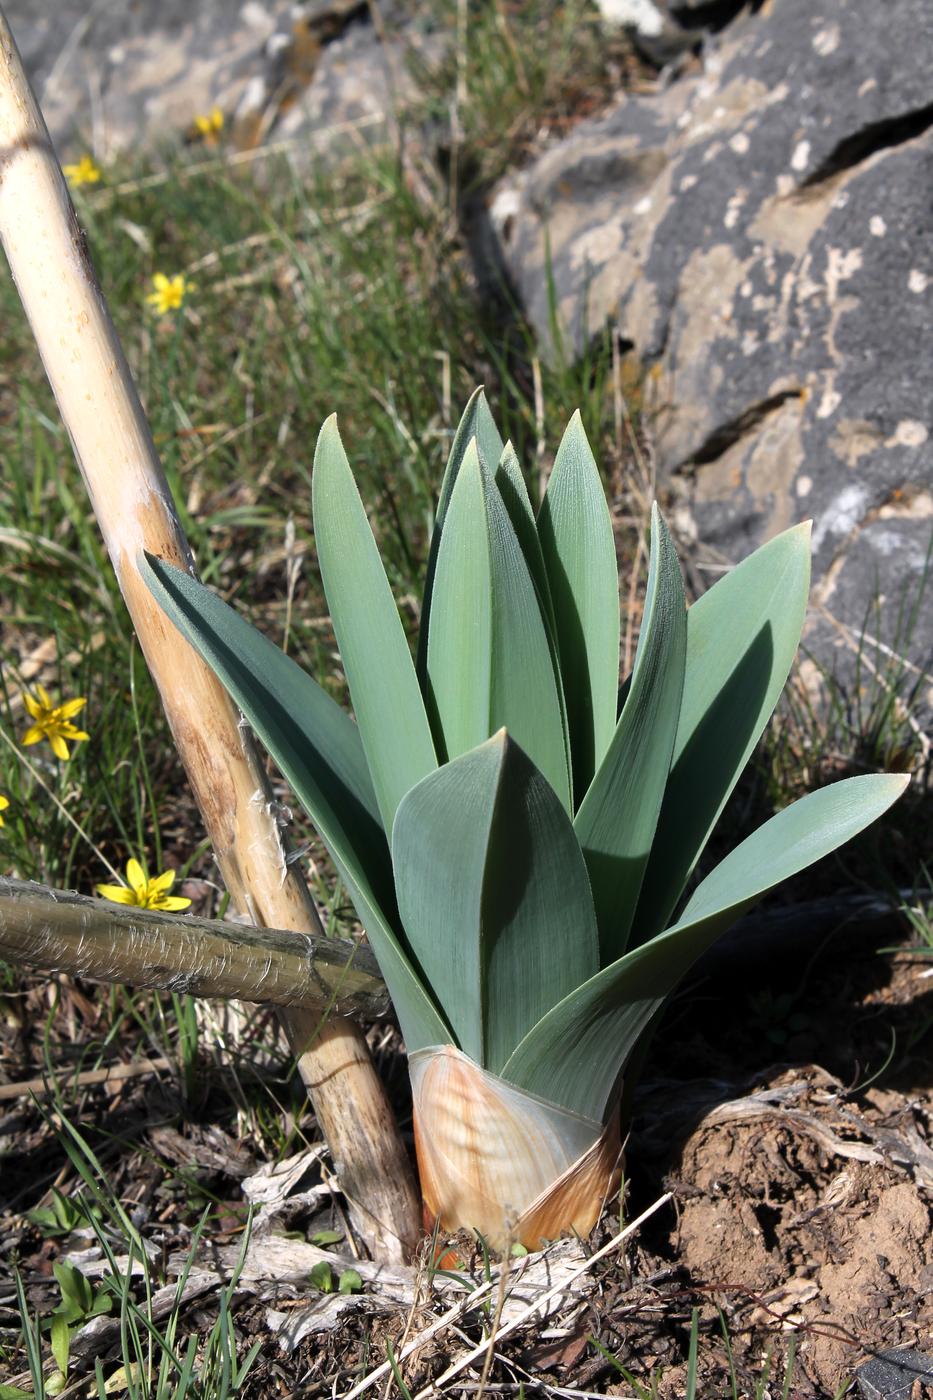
x,y
573,1056
580,559
742,637
476,422
489,660
318,749
373,647
616,821
514,493
494,896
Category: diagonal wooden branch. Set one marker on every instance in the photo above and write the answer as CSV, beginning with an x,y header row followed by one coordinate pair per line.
x,y
98,402
58,931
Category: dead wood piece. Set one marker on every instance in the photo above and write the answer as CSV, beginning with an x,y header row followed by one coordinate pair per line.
x,y
58,931
101,1333
536,1286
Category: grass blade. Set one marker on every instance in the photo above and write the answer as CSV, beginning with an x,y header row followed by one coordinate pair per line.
x,y
691,1390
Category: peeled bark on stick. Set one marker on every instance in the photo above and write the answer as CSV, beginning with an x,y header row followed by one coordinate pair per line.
x,y
58,931
98,402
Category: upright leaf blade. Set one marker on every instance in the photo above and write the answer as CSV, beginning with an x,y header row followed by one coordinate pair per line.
x,y
318,749
578,547
476,422
489,659
460,645
494,896
514,493
511,486
574,1054
742,637
373,647
616,821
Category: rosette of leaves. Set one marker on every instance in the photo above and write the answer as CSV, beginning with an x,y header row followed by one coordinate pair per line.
x,y
516,832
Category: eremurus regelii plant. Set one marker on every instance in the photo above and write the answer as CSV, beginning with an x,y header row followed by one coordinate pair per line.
x,y
516,833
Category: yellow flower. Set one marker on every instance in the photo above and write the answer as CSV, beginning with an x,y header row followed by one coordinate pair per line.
x,y
142,892
210,126
4,803
169,292
84,173
52,722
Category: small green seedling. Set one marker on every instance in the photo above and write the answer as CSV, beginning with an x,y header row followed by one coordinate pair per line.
x,y
63,1216
79,1303
324,1279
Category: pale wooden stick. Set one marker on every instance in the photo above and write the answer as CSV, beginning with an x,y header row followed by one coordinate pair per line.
x,y
98,402
58,931
86,1079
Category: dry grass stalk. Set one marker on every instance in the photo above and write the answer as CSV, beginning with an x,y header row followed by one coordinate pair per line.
x,y
113,444
108,1077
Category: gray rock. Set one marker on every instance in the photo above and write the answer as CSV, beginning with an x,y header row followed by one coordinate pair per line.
x,y
656,35
112,78
892,1375
665,31
361,83
763,236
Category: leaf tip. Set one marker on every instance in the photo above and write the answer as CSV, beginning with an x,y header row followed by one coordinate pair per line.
x,y
802,533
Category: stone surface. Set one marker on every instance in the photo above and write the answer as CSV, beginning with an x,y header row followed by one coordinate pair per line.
x,y
112,78
895,1375
762,234
656,34
664,31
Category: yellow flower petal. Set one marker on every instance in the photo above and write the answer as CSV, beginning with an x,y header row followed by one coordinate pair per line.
x,y
32,736
118,893
71,707
59,747
170,902
32,705
4,802
44,696
138,882
68,731
162,882
160,281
